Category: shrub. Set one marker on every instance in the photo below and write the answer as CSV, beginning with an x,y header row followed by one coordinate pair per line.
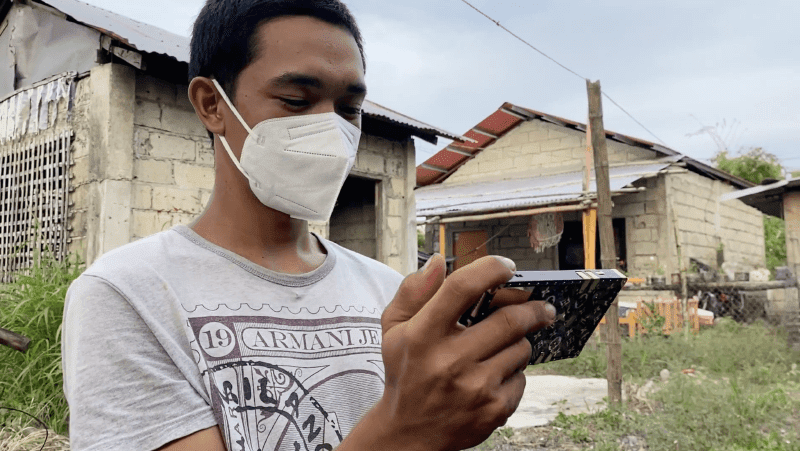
x,y
33,306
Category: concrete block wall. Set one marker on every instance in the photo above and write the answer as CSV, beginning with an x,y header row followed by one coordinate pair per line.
x,y
706,224
512,242
645,218
391,164
353,223
102,152
81,173
355,228
173,160
537,148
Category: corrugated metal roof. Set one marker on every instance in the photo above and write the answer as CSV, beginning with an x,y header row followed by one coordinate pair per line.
x,y
141,36
766,198
445,162
515,194
381,112
151,39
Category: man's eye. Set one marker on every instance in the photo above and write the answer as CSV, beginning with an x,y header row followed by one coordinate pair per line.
x,y
296,103
354,111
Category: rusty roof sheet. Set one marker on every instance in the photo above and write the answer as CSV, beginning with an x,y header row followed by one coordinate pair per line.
x,y
151,39
141,36
515,194
445,162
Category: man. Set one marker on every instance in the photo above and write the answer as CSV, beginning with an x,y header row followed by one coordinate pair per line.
x,y
245,331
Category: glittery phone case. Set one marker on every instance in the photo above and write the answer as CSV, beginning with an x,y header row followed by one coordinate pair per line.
x,y
581,298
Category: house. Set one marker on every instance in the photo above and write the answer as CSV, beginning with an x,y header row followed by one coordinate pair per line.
x,y
100,146
526,165
781,199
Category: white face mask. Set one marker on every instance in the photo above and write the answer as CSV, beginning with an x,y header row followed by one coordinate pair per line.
x,y
298,164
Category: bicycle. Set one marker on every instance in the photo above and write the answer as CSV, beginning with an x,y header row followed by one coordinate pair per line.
x,y
722,304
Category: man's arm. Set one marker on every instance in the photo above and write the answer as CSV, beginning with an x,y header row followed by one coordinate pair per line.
x,y
124,384
206,440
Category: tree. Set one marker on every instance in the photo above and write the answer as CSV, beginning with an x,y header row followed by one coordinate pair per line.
x,y
755,166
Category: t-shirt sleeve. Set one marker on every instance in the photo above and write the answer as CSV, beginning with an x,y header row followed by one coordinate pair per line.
x,y
125,389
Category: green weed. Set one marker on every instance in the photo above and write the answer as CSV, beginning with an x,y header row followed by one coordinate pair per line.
x,y
33,306
743,393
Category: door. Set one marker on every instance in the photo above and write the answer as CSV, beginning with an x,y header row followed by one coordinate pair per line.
x,y
469,246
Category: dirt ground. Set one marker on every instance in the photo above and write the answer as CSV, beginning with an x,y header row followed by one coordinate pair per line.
x,y
530,439
549,438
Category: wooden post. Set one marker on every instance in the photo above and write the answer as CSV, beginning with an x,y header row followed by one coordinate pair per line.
x,y
590,214
681,270
14,340
443,239
589,237
608,256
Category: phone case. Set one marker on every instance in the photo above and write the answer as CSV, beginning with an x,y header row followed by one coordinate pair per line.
x,y
580,297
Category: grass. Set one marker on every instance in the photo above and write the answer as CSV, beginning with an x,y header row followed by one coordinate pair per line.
x,y
33,306
742,392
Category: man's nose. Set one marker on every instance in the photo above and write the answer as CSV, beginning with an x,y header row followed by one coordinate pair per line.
x,y
325,106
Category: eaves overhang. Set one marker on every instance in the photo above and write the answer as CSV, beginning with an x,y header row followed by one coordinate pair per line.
x,y
768,199
447,161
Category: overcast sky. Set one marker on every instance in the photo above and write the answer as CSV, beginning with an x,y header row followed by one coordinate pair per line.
x,y
675,65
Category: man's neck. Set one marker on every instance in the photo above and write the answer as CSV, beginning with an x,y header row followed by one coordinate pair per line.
x,y
237,221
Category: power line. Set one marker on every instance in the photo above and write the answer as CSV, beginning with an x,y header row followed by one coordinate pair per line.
x,y
562,66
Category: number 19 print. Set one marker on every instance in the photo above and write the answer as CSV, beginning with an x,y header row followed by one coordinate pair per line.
x,y
288,383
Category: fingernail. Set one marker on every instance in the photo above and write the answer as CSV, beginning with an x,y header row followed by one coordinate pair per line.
x,y
507,262
427,263
551,310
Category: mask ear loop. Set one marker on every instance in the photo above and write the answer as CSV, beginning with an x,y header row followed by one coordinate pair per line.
x,y
241,120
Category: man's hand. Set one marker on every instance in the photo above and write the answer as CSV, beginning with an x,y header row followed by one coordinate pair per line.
x,y
448,387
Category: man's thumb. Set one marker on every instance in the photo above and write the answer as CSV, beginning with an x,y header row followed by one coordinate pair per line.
x,y
415,291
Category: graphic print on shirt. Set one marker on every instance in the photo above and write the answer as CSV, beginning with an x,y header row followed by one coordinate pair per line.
x,y
288,383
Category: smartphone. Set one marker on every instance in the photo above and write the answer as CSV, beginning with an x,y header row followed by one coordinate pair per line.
x,y
581,298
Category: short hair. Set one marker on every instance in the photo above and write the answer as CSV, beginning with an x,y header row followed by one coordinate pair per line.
x,y
224,35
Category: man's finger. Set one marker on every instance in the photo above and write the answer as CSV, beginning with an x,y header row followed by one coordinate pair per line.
x,y
510,296
510,360
506,326
414,292
509,395
462,289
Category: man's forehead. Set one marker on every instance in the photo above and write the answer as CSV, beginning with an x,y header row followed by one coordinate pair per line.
x,y
305,33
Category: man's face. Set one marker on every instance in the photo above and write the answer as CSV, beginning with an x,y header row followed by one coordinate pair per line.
x,y
303,66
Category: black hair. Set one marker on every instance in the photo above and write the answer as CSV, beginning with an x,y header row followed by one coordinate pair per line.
x,y
224,35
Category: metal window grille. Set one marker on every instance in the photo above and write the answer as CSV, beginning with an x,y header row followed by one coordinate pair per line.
x,y
34,202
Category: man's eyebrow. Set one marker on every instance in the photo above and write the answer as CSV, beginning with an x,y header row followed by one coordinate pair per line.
x,y
299,79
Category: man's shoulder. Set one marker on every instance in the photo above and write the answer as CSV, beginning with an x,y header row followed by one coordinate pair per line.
x,y
363,264
136,257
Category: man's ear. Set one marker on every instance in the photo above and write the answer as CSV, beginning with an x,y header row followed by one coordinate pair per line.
x,y
207,104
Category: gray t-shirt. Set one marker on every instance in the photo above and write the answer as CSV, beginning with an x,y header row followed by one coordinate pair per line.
x,y
171,334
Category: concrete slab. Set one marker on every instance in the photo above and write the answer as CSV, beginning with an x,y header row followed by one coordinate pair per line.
x,y
546,396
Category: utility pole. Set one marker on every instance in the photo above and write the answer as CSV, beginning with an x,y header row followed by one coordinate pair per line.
x,y
608,257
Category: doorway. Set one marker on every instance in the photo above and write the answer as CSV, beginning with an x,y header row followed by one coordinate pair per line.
x,y
353,224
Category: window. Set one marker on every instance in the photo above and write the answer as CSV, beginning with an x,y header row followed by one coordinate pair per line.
x,y
34,201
